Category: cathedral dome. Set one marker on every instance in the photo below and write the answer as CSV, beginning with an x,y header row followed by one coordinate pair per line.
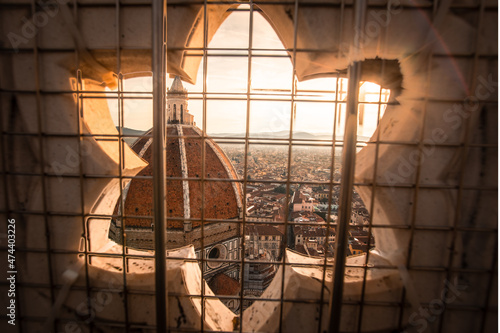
x,y
184,170
184,159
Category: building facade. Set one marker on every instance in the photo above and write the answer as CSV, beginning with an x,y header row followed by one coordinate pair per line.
x,y
264,238
302,203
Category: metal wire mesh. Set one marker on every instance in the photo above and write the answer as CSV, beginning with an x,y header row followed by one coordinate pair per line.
x,y
48,214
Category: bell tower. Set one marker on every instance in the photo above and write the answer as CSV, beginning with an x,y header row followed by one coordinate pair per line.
x,y
177,111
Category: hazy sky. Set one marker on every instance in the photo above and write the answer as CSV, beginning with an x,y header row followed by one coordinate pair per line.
x,y
229,74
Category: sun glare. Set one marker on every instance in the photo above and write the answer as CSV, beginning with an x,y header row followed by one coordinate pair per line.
x,y
271,80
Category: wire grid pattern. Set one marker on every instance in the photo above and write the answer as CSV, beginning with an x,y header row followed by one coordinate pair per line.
x,y
121,95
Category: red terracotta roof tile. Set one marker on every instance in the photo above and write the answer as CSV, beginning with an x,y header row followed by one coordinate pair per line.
x,y
221,201
221,284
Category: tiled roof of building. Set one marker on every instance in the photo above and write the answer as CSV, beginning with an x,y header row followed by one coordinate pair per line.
x,y
300,248
308,215
359,246
263,230
313,252
313,231
177,86
280,196
221,284
298,197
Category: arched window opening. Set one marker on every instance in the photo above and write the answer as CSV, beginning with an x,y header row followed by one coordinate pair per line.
x,y
260,117
261,83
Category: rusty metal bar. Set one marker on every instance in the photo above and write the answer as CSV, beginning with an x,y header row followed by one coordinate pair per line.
x,y
245,168
289,162
347,180
159,16
337,113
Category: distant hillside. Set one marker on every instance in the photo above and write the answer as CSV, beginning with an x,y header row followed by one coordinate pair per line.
x,y
262,135
130,131
285,135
